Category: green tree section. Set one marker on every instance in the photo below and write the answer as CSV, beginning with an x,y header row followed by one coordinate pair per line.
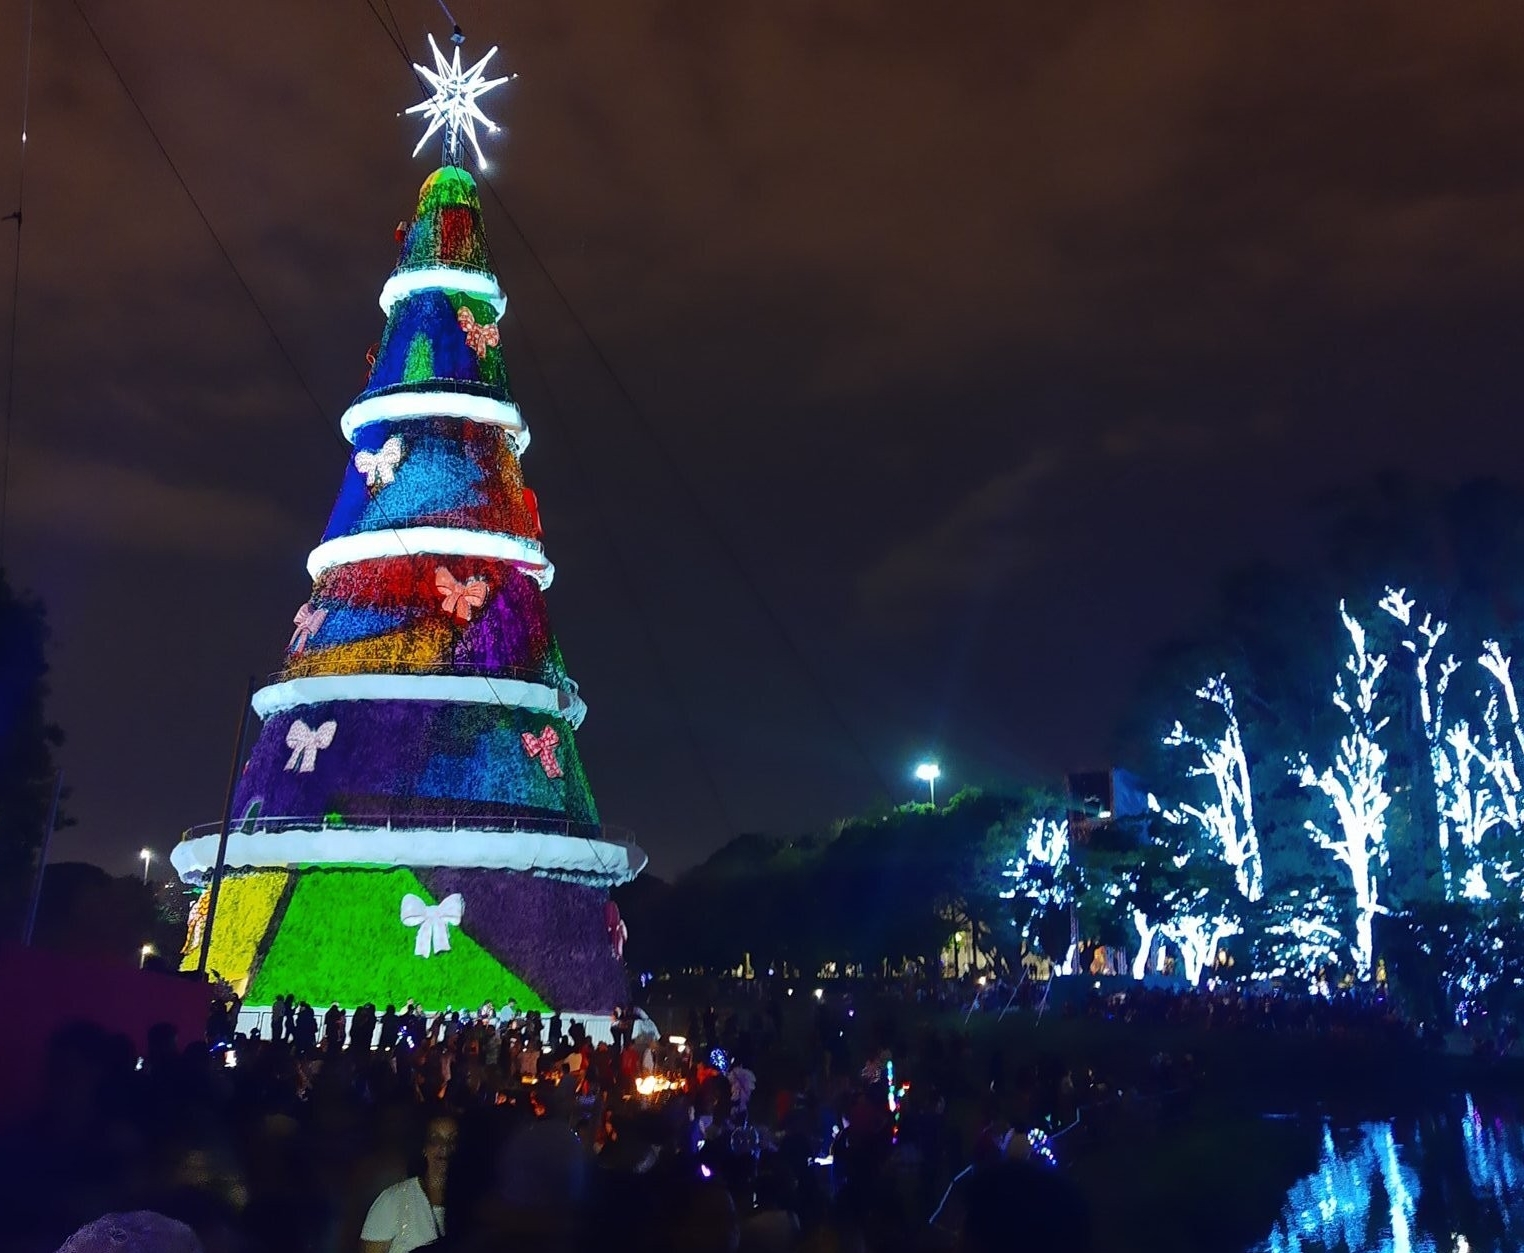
x,y
341,940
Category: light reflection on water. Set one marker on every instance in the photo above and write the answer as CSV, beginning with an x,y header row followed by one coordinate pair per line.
x,y
1446,1184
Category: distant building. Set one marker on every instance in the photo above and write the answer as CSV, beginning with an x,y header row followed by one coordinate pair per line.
x,y
1095,798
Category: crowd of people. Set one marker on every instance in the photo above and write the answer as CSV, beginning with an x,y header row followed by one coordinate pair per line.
x,y
494,1131
1226,1006
812,1123
520,1045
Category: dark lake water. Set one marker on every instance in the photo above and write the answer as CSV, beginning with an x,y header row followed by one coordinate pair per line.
x,y
1450,1181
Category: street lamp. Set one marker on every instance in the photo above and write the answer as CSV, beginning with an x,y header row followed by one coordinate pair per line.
x,y
144,954
147,856
928,772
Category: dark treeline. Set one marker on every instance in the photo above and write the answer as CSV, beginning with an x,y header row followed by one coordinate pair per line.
x,y
883,890
28,741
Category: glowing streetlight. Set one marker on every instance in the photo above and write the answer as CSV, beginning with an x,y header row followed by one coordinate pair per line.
x,y
928,772
147,856
144,954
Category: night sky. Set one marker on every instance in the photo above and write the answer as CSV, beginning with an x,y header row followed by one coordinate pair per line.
x,y
970,344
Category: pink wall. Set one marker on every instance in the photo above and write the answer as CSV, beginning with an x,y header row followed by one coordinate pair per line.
x,y
46,990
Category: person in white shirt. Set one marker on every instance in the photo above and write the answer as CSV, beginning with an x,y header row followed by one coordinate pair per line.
x,y
529,1063
410,1214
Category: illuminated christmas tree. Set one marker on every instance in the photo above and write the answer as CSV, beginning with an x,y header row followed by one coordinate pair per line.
x,y
413,821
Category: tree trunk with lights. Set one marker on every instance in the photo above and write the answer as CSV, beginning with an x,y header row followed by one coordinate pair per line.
x,y
1354,785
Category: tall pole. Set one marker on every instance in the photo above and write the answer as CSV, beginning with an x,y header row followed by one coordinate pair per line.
x,y
933,782
227,824
42,862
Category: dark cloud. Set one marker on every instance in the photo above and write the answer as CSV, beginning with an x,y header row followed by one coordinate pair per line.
x,y
123,509
968,345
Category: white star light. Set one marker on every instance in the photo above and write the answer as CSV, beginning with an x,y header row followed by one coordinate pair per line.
x,y
453,105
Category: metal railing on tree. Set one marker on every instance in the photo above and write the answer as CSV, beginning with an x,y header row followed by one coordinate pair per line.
x,y
504,824
384,665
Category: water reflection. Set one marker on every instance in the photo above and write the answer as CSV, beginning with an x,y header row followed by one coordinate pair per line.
x,y
1441,1184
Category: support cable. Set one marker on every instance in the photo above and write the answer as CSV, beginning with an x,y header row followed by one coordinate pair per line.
x,y
290,359
211,230
621,565
10,365
716,533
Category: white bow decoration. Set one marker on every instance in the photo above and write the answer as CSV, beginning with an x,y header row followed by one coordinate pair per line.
x,y
304,742
433,922
380,467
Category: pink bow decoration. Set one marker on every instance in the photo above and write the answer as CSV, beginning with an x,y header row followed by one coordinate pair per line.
x,y
479,337
460,598
307,622
380,467
304,742
433,922
543,746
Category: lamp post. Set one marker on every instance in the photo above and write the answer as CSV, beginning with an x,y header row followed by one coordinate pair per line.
x,y
147,856
929,772
144,954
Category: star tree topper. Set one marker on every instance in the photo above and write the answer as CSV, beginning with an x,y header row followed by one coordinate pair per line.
x,y
453,106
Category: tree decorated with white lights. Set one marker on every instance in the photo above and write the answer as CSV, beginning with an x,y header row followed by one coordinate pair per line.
x,y
1471,806
1146,930
1422,641
1158,879
1353,784
1026,880
1198,931
1169,895
414,819
1501,761
1301,937
1200,899
1227,818
1473,769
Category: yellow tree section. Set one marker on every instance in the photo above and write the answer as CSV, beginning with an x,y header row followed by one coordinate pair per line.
x,y
429,644
245,906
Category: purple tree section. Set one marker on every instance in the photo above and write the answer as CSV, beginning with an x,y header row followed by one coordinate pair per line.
x,y
515,631
415,757
549,932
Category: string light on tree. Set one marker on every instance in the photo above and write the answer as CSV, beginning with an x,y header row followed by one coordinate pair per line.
x,y
1039,873
1477,791
1354,785
1303,939
1228,820
1146,930
1503,756
1198,938
453,108
1431,709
